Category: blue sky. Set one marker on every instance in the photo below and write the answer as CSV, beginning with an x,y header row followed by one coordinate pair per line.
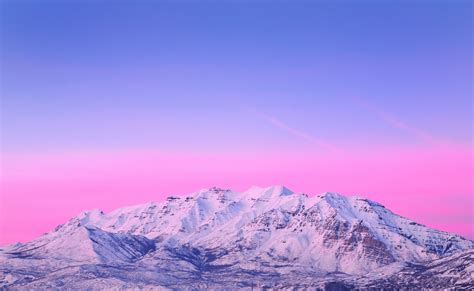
x,y
101,74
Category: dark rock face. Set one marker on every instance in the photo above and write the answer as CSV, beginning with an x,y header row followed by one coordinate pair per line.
x,y
349,239
372,247
271,220
333,229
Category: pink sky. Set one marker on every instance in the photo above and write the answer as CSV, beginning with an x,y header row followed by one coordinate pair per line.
x,y
107,105
431,185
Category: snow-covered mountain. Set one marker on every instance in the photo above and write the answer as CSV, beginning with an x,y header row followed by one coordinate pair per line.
x,y
220,238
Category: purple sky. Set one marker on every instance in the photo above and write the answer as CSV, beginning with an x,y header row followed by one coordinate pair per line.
x,y
300,92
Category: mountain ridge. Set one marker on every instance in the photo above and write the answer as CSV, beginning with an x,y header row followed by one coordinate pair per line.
x,y
270,231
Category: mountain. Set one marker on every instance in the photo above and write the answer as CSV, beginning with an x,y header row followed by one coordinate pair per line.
x,y
218,238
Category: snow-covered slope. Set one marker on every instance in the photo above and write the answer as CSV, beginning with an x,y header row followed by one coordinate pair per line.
x,y
85,244
270,230
453,271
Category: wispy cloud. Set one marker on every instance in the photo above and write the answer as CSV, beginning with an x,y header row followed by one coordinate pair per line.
x,y
295,132
394,121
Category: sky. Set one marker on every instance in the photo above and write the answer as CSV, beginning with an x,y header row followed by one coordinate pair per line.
x,y
111,103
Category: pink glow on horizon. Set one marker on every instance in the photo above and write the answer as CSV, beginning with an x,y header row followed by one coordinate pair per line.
x,y
432,185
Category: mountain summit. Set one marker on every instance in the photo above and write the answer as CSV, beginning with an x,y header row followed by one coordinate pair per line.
x,y
218,238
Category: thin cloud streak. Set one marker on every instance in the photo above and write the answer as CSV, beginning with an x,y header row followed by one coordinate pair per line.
x,y
295,132
394,121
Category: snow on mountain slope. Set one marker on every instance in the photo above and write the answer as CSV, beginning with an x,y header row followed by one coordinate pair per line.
x,y
84,244
270,230
453,271
275,220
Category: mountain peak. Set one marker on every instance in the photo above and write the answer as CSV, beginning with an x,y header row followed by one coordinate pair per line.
x,y
271,191
279,190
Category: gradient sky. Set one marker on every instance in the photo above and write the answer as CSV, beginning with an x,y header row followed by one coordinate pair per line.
x,y
109,103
